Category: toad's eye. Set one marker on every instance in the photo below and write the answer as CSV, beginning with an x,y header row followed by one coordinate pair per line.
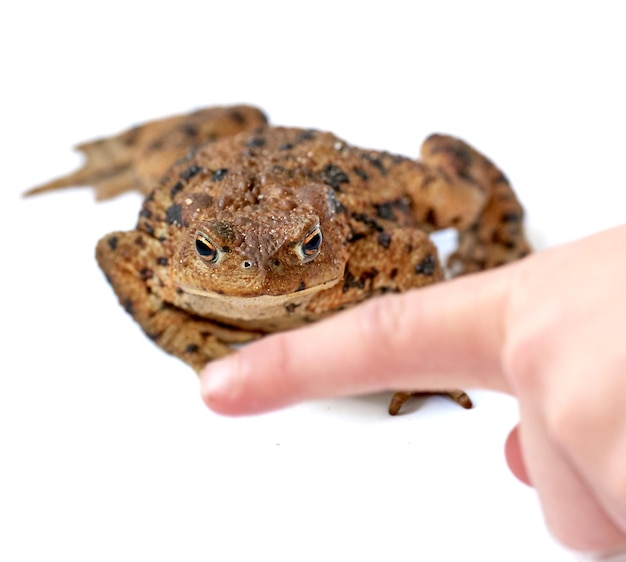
x,y
310,245
206,249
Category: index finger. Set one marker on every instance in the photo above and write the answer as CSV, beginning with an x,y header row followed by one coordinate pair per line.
x,y
445,336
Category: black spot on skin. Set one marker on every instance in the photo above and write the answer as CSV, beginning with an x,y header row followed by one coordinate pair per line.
x,y
376,162
355,237
256,142
368,275
351,282
291,307
495,237
112,242
192,348
286,146
237,117
145,213
360,172
384,239
176,188
146,273
386,290
179,291
309,134
189,129
337,205
460,155
465,175
301,287
139,241
385,211
219,174
363,218
393,273
388,209
501,179
174,214
427,266
511,217
128,306
431,216
131,136
154,336
334,176
149,229
161,260
456,220
190,172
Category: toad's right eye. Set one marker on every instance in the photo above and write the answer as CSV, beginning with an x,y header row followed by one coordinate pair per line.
x,y
206,249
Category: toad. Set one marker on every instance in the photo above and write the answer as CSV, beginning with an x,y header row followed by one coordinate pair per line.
x,y
247,229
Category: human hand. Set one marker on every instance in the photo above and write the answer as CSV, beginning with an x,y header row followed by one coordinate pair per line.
x,y
549,329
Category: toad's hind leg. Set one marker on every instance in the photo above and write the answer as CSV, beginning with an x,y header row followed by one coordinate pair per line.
x,y
136,159
495,235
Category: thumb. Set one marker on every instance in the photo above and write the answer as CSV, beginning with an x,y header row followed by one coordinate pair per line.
x,y
515,458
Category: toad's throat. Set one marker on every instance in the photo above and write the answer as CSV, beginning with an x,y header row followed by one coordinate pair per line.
x,y
254,307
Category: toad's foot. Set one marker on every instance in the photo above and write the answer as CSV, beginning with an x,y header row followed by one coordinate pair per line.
x,y
399,398
136,159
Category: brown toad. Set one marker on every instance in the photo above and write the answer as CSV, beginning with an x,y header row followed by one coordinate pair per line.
x,y
256,229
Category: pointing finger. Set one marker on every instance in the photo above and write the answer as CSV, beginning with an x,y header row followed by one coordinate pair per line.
x,y
442,337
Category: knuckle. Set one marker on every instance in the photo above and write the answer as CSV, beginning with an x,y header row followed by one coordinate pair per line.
x,y
529,347
523,362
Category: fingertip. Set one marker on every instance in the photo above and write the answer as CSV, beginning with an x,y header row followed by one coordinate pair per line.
x,y
217,381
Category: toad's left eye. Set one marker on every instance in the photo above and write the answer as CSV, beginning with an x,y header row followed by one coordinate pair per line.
x,y
310,245
206,249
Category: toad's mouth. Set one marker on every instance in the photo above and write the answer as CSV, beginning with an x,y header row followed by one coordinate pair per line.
x,y
255,306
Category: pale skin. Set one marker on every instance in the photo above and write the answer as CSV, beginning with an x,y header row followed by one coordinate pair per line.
x,y
549,329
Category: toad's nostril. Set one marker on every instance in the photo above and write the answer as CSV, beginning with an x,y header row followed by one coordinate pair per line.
x,y
247,264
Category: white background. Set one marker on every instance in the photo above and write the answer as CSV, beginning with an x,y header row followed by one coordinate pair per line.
x,y
107,452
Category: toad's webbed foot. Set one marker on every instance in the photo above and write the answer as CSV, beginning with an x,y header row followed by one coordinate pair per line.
x,y
399,399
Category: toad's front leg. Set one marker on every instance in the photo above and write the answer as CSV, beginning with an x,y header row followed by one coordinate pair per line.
x,y
137,269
